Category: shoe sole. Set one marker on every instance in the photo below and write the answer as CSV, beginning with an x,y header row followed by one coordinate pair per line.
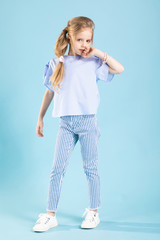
x,y
45,229
91,227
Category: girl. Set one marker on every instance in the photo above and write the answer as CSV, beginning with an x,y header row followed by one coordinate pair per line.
x,y
72,80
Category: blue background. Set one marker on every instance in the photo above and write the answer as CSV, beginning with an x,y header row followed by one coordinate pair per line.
x,y
128,117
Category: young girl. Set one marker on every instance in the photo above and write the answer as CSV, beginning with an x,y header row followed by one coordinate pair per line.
x,y
72,80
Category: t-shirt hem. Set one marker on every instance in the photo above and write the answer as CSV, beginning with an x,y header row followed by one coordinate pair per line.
x,y
71,114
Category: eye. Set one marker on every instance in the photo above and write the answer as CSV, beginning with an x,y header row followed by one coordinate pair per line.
x,y
81,39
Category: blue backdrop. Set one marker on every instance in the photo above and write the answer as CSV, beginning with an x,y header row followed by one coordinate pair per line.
x,y
128,117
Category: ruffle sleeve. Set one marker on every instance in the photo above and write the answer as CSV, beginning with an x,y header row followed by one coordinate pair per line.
x,y
48,71
102,71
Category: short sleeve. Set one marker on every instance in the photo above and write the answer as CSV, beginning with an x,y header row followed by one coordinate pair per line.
x,y
48,71
102,71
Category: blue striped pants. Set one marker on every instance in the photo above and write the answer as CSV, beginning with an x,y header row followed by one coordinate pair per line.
x,y
71,129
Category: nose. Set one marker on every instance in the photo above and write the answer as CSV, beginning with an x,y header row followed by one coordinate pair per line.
x,y
84,44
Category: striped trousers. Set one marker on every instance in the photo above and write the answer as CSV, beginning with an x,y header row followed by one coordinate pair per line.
x,y
71,129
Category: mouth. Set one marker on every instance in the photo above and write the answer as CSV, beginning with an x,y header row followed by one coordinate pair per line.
x,y
82,50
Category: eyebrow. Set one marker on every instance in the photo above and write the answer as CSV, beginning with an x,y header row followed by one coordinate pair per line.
x,y
81,38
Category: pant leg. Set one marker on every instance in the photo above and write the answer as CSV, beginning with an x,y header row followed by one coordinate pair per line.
x,y
88,138
65,143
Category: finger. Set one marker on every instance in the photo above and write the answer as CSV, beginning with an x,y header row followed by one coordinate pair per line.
x,y
39,130
40,134
87,48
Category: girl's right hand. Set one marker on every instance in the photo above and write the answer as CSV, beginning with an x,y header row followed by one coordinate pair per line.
x,y
39,128
88,52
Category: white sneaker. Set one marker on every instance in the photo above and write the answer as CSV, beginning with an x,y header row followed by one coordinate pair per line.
x,y
91,220
45,222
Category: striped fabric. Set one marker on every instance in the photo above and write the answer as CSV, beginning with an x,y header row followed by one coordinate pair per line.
x,y
71,129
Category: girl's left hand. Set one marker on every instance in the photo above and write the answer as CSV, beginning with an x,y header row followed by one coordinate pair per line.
x,y
88,52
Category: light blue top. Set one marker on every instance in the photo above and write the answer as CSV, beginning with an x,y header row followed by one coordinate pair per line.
x,y
78,93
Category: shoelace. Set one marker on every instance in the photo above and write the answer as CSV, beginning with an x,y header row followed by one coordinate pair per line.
x,y
90,214
43,218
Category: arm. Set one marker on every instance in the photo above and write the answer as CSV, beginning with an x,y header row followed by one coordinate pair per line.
x,y
114,66
48,96
45,103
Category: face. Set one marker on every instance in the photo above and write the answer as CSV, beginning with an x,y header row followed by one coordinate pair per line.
x,y
82,40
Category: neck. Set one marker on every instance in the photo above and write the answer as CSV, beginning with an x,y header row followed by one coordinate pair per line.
x,y
70,52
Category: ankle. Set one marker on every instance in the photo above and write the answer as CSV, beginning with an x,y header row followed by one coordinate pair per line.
x,y
95,210
51,213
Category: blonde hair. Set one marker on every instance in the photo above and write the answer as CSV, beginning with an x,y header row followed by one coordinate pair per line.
x,y
74,26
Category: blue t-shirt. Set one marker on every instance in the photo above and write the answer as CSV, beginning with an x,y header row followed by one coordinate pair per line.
x,y
78,93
